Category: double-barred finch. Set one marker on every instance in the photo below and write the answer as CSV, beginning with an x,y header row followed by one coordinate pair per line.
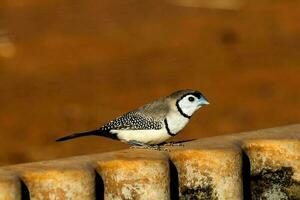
x,y
153,123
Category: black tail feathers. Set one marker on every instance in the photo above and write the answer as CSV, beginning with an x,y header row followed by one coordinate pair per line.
x,y
76,135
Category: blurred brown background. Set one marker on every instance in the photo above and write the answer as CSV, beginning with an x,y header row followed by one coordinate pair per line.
x,y
69,66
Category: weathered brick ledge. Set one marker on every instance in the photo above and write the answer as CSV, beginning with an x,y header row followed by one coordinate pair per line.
x,y
263,164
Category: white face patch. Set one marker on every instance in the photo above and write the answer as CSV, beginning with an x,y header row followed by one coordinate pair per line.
x,y
189,104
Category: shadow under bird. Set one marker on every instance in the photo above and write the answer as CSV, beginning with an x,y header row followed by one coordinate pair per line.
x,y
153,123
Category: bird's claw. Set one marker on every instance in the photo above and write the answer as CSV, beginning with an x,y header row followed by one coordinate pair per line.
x,y
173,144
150,147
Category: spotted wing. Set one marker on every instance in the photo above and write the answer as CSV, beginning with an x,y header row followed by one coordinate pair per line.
x,y
133,121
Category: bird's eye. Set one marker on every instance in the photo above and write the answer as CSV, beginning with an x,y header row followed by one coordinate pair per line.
x,y
191,99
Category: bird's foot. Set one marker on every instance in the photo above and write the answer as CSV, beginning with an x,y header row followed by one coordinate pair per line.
x,y
150,147
139,145
173,144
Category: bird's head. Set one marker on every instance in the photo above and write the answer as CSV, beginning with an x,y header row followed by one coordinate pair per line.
x,y
187,102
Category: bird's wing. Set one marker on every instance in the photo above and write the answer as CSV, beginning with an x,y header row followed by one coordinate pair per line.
x,y
133,121
148,117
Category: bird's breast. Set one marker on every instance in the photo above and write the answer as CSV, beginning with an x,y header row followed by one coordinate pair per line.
x,y
176,122
144,136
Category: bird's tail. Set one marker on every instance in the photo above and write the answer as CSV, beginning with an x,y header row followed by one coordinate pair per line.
x,y
76,135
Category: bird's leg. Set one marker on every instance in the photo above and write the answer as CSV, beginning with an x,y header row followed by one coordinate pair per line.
x,y
136,143
172,144
139,145
157,147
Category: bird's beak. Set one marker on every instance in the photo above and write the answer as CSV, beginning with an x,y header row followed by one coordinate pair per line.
x,y
203,101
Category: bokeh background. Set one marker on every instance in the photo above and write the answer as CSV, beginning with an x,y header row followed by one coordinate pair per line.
x,y
69,66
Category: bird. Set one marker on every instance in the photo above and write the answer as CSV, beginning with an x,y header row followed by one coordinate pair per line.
x,y
153,123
